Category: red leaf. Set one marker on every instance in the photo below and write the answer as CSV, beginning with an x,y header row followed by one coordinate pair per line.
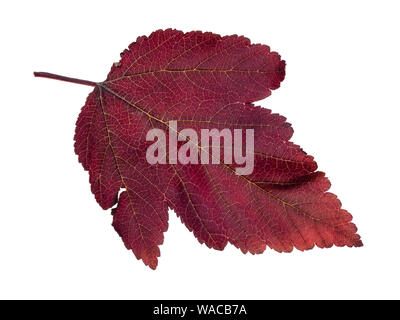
x,y
203,81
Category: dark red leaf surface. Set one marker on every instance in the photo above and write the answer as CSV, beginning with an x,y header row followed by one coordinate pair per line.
x,y
203,80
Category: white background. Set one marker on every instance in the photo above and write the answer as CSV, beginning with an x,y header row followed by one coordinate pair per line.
x,y
341,94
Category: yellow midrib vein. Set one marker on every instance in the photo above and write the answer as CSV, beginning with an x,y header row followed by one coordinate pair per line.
x,y
150,116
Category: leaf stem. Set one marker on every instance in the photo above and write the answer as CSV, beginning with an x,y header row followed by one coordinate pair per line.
x,y
62,78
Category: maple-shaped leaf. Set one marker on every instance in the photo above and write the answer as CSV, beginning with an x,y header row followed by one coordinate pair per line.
x,y
202,81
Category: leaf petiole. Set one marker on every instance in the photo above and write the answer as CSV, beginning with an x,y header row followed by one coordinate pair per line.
x,y
63,78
